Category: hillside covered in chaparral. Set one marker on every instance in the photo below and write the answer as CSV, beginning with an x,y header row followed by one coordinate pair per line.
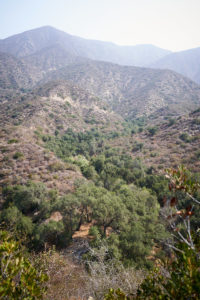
x,y
88,131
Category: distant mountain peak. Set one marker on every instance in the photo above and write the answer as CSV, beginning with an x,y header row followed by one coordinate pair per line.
x,y
29,42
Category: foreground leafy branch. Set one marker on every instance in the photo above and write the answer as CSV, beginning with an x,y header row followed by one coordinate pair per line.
x,y
178,219
178,279
19,279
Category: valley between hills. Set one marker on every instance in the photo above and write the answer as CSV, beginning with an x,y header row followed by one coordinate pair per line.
x,y
87,132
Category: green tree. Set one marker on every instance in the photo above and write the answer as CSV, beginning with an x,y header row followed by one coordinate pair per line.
x,y
178,275
138,236
27,198
109,210
51,233
13,219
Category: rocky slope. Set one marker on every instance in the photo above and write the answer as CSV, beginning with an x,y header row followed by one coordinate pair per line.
x,y
133,91
55,106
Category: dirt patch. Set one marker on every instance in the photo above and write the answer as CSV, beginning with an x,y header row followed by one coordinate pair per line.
x,y
83,232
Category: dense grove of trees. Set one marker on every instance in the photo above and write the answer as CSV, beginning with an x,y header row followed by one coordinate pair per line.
x,y
120,196
121,199
131,213
177,276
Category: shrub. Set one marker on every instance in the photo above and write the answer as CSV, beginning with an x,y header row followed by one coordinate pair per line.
x,y
137,146
196,121
152,130
171,121
26,198
52,233
18,155
56,166
19,279
153,154
106,272
89,172
185,137
177,280
197,154
12,141
16,221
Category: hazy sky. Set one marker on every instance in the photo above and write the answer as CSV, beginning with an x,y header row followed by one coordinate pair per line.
x,y
169,24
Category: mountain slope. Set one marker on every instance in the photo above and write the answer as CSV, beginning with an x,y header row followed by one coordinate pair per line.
x,y
29,42
52,108
133,91
186,63
175,142
13,72
47,54
23,159
130,91
57,105
51,58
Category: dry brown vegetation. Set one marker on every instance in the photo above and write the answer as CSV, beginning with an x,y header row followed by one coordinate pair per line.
x,y
21,159
168,146
70,280
56,106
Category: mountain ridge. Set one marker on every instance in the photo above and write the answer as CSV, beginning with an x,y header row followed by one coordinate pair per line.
x,y
185,62
28,42
132,91
129,90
